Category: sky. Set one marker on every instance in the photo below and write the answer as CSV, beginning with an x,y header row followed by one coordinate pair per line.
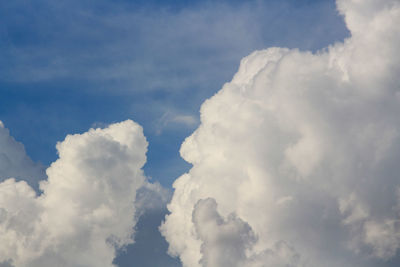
x,y
176,133
72,65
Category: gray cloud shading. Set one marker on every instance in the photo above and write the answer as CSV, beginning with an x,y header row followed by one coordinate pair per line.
x,y
225,241
6,264
302,149
15,163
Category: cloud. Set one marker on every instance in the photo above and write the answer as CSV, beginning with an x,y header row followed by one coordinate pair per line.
x,y
88,206
225,241
185,119
303,149
15,163
150,46
173,120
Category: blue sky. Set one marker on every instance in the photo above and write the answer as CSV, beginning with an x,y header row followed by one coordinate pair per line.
x,y
67,66
71,65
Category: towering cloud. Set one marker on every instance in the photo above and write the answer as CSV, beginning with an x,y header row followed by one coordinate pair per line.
x,y
296,160
88,206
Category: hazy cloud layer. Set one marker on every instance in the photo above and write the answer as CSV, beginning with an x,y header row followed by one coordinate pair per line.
x,y
153,46
89,204
295,162
14,161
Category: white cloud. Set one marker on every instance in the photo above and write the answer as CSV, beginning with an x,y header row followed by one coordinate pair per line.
x,y
171,119
303,148
88,206
185,119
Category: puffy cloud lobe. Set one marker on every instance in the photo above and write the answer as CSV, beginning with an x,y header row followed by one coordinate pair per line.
x,y
87,208
226,241
304,149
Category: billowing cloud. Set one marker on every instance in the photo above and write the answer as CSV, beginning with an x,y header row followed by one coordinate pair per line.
x,y
88,205
295,162
225,241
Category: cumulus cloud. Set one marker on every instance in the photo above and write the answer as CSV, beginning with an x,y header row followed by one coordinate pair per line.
x,y
295,162
88,205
